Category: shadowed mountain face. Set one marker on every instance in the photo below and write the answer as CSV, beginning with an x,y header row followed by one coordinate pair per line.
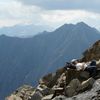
x,y
25,60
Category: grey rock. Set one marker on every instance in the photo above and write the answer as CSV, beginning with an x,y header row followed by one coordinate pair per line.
x,y
70,90
84,75
36,96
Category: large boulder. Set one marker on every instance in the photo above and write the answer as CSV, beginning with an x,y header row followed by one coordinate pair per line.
x,y
71,88
86,85
36,96
74,87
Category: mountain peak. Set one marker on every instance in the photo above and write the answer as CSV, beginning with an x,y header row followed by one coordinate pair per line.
x,y
65,27
71,26
81,24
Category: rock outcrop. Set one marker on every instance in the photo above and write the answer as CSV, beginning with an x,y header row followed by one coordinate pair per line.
x,y
65,84
22,93
93,94
92,53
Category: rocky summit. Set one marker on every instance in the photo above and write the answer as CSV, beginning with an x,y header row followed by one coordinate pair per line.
x,y
92,53
65,83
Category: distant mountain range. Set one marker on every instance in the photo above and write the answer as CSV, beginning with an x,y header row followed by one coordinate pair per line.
x,y
23,60
23,30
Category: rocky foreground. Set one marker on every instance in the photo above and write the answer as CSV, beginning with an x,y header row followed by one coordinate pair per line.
x,y
65,84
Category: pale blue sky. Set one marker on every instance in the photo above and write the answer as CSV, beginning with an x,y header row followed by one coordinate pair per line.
x,y
52,13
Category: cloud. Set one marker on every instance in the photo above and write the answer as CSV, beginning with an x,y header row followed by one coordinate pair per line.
x,y
59,17
13,12
90,5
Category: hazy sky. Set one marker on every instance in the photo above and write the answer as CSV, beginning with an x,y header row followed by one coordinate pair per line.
x,y
52,13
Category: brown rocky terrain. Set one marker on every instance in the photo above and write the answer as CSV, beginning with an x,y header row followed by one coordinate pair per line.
x,y
92,53
65,84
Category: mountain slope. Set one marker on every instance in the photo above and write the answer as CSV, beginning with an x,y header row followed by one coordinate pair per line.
x,y
25,60
65,84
